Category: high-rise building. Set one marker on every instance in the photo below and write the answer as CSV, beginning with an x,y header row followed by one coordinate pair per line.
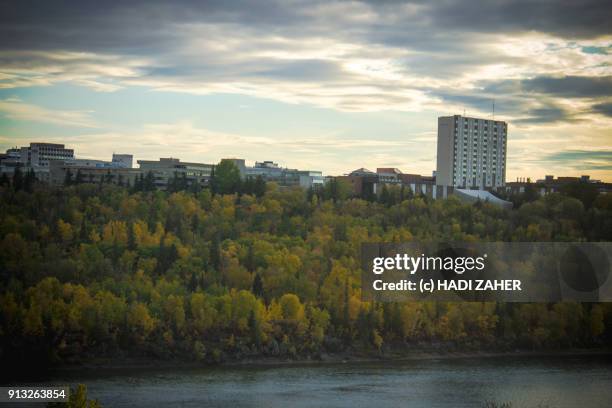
x,y
471,152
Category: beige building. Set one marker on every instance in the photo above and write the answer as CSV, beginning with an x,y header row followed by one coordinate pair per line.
x,y
165,169
60,170
471,152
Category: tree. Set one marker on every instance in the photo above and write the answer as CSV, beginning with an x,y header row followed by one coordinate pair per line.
x,y
257,288
68,177
174,313
193,283
148,183
178,182
291,307
255,329
203,313
79,177
139,183
65,231
530,194
29,180
385,196
250,260
259,187
336,190
139,321
226,178
131,237
167,255
4,180
93,270
17,179
215,253
585,192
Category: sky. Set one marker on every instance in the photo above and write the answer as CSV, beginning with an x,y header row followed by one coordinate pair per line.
x,y
317,85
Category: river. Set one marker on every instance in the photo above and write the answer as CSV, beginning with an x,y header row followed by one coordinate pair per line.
x,y
568,381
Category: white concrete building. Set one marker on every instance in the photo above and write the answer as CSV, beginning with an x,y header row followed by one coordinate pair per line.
x,y
123,161
40,154
285,177
471,152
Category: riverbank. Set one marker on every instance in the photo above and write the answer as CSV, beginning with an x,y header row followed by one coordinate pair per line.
x,y
324,359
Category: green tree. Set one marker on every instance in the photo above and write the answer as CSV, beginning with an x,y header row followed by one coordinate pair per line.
x,y
258,289
17,179
226,178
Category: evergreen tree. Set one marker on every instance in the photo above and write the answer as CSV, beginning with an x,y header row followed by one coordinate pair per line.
x,y
68,177
30,180
215,254
84,232
79,177
4,180
248,186
193,282
149,182
17,179
255,329
385,196
139,183
250,259
257,287
131,241
259,187
212,182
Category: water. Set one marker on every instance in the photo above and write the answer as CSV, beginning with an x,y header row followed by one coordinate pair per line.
x,y
523,381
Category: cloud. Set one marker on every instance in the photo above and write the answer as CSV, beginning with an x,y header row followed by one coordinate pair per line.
x,y
549,114
583,159
564,18
603,108
567,86
546,63
348,56
101,72
446,31
16,109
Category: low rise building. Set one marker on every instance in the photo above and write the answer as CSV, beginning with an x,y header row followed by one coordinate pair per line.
x,y
363,182
36,157
366,183
39,155
284,177
166,169
550,184
389,175
62,171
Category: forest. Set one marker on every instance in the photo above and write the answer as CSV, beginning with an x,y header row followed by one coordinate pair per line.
x,y
251,270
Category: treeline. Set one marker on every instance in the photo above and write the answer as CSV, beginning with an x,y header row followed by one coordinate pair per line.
x,y
93,270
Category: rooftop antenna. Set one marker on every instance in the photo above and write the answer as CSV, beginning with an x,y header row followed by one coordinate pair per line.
x,y
493,109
